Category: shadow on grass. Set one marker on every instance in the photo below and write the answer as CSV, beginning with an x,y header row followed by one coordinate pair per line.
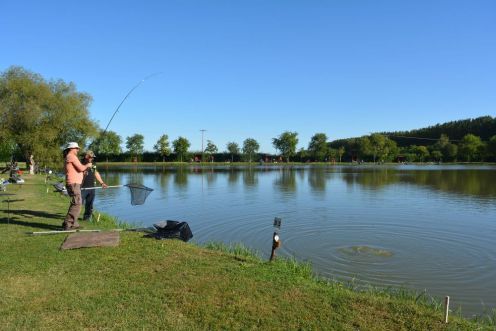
x,y
14,221
12,201
14,217
34,213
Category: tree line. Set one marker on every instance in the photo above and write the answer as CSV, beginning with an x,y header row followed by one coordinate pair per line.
x,y
372,148
38,117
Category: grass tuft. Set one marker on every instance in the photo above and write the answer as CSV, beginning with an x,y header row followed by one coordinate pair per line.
x,y
236,249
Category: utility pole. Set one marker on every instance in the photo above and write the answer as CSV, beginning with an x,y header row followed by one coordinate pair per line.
x,y
202,131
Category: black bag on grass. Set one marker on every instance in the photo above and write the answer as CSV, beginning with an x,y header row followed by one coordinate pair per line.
x,y
172,230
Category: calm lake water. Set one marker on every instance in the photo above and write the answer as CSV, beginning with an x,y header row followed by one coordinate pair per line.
x,y
419,227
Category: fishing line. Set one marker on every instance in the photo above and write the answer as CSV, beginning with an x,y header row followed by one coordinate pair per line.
x,y
418,138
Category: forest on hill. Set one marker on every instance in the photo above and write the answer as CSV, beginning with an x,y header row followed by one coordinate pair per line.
x,y
468,140
484,127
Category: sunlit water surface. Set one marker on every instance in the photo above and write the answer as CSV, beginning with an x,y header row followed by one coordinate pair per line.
x,y
418,227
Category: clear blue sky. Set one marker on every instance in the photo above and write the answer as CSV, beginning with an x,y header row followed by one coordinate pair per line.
x,y
256,68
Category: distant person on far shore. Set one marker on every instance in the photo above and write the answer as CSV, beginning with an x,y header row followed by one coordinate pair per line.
x,y
31,164
73,180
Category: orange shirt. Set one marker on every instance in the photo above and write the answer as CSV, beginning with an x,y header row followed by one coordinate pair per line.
x,y
73,170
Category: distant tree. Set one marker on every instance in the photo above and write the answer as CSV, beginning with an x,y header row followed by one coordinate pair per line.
x,y
353,147
436,155
233,149
7,149
250,147
491,147
107,143
332,154
450,152
162,146
211,149
135,144
382,147
421,152
318,146
482,151
470,147
391,150
341,151
286,143
181,146
304,154
447,149
439,146
407,154
443,141
378,142
365,147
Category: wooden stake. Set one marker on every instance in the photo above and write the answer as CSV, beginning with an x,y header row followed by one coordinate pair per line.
x,y
98,218
446,309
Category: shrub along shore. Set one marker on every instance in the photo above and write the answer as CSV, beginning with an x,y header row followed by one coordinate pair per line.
x,y
149,284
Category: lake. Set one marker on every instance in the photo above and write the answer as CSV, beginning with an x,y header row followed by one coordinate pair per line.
x,y
427,228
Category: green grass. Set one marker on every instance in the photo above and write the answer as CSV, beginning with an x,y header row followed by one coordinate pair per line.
x,y
170,285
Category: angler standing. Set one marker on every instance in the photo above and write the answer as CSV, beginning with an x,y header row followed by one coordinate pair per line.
x,y
73,179
90,176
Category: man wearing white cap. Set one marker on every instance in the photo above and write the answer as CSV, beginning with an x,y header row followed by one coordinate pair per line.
x,y
73,179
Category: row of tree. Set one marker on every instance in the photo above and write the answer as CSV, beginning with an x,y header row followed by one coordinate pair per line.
x,y
373,148
38,117
109,145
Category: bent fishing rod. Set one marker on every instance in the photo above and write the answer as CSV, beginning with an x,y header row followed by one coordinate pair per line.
x,y
127,95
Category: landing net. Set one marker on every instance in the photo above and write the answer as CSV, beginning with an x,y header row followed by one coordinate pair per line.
x,y
139,193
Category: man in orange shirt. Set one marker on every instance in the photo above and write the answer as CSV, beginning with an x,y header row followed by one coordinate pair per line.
x,y
73,179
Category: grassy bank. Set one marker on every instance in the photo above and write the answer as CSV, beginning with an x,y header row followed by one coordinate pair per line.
x,y
149,284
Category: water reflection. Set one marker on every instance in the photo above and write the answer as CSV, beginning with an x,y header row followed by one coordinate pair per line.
x,y
210,175
285,181
250,177
233,176
374,179
467,182
135,177
317,179
162,180
463,181
181,178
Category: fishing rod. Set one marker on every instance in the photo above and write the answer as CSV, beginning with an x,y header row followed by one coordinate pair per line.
x,y
127,95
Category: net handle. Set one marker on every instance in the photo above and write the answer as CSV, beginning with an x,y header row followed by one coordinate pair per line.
x,y
99,187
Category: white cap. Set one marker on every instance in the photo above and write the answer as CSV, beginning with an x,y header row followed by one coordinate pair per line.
x,y
71,145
